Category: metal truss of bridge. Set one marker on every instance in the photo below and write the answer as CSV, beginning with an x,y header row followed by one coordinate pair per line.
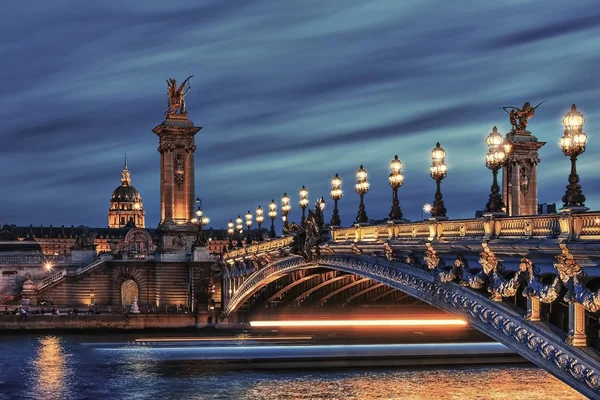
x,y
465,267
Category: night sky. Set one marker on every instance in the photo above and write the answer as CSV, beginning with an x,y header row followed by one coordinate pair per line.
x,y
288,93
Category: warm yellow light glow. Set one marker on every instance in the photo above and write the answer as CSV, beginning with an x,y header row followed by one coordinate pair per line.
x,y
362,322
438,153
249,219
494,139
574,120
194,220
219,339
205,220
230,225
48,266
427,208
199,213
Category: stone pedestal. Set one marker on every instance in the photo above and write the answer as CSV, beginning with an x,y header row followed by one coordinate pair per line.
x,y
176,148
201,254
576,336
83,256
135,309
519,176
29,291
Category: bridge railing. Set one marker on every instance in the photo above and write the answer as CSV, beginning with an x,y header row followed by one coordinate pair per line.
x,y
72,272
584,226
35,259
258,248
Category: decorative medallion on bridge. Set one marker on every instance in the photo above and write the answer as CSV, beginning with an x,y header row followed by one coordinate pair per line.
x,y
179,169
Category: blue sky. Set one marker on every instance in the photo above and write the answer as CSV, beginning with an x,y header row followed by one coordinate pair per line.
x,y
288,93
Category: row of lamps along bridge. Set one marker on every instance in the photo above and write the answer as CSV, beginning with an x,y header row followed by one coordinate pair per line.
x,y
572,143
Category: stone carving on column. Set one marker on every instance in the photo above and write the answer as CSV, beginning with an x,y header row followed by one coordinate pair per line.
x,y
524,171
499,286
568,270
588,299
431,257
355,249
389,252
179,241
179,170
535,287
475,279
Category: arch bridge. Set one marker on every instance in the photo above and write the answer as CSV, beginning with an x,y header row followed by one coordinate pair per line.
x,y
465,267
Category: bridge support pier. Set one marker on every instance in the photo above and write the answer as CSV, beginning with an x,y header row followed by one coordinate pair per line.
x,y
533,309
577,335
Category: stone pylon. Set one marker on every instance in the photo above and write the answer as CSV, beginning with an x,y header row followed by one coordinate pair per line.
x,y
177,189
519,175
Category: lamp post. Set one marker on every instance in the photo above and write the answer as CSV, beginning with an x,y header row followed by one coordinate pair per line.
x,y
573,144
362,187
285,209
303,201
494,160
336,195
239,227
272,215
396,179
248,225
259,220
230,234
438,171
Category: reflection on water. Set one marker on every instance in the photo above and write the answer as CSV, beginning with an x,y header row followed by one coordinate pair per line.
x,y
51,371
64,367
431,383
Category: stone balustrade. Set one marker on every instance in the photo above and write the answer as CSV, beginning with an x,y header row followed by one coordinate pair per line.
x,y
34,259
257,248
585,226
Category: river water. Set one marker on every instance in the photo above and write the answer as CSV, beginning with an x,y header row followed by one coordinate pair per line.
x,y
47,367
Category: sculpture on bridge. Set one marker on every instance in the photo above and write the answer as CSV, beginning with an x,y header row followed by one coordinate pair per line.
x,y
431,257
535,287
519,117
177,97
499,286
306,237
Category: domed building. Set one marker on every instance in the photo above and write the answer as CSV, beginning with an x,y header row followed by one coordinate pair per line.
x,y
126,206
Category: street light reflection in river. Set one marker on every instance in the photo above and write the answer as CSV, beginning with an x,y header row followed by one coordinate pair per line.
x,y
52,370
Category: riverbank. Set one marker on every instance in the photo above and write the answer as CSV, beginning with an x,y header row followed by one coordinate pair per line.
x,y
102,322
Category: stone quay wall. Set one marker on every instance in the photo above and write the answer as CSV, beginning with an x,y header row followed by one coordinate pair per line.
x,y
102,321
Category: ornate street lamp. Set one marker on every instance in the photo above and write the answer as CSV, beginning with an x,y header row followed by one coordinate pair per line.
x,y
494,160
201,221
272,215
248,225
362,187
303,201
230,234
239,227
285,209
336,195
438,171
573,144
259,220
396,179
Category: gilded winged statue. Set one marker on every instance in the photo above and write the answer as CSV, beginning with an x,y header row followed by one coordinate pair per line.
x,y
177,96
519,117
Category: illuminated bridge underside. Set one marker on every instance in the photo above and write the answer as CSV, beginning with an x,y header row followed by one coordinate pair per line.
x,y
531,340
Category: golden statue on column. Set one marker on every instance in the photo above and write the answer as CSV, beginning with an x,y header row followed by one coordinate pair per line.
x,y
177,97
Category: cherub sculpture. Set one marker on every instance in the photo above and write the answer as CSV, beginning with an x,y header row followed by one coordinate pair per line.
x,y
519,117
177,96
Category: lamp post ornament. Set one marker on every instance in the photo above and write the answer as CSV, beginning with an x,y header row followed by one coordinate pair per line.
x,y
438,171
336,195
573,144
362,187
272,215
495,159
396,179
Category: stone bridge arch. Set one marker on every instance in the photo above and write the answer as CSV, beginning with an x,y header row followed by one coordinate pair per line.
x,y
531,340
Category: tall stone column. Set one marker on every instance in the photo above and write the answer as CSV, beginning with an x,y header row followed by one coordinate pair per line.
x,y
177,189
519,176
